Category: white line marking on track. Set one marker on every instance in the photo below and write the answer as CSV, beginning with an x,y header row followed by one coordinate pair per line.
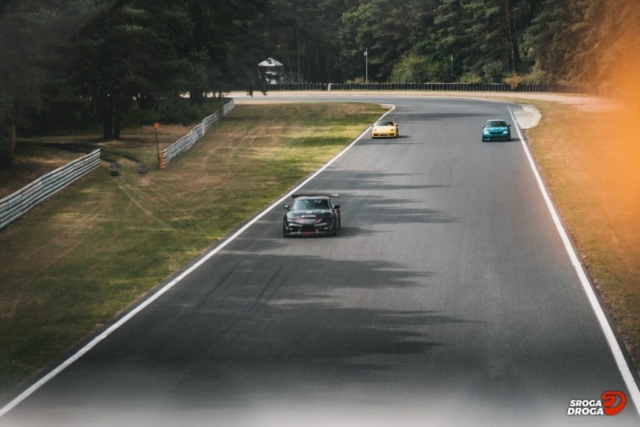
x,y
624,368
28,392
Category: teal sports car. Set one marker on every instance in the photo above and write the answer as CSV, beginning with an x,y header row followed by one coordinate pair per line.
x,y
496,130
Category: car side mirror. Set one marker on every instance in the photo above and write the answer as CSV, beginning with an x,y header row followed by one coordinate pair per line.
x,y
508,125
336,206
483,126
287,208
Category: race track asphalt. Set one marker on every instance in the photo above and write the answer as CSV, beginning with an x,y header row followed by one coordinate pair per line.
x,y
447,298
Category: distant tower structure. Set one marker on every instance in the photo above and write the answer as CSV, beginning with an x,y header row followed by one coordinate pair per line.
x,y
272,72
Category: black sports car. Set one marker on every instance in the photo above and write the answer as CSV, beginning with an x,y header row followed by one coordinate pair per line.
x,y
311,215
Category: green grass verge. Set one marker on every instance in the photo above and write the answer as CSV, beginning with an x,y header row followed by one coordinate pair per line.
x,y
590,162
74,262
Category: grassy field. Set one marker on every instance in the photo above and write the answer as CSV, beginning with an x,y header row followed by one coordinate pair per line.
x,y
590,162
71,264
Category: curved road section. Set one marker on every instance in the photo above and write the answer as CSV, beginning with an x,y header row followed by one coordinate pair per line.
x,y
447,298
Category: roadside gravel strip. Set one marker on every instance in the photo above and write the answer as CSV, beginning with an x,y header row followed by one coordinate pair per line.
x,y
528,117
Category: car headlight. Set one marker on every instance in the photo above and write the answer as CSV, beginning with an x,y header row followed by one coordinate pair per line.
x,y
486,132
505,132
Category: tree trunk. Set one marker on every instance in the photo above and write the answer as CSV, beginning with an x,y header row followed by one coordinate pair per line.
x,y
510,39
298,59
298,49
107,118
116,127
12,141
196,96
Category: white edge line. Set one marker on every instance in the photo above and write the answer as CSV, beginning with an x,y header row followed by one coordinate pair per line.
x,y
28,392
624,368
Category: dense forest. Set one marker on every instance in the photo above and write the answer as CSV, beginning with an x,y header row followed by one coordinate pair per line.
x,y
70,64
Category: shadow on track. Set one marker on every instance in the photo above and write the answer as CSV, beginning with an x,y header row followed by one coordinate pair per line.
x,y
434,117
244,329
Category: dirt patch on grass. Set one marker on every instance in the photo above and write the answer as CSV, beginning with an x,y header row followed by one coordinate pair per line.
x,y
38,155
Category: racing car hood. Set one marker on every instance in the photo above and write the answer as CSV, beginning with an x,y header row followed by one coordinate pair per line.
x,y
496,129
312,214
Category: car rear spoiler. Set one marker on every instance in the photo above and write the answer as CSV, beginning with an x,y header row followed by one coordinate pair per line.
x,y
315,195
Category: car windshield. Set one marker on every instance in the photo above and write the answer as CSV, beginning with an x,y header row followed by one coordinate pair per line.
x,y
384,123
308,204
496,124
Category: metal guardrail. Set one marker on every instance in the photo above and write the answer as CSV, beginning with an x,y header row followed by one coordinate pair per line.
x,y
17,204
187,141
460,87
476,87
282,86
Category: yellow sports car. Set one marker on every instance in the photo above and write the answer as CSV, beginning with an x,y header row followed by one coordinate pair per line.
x,y
384,129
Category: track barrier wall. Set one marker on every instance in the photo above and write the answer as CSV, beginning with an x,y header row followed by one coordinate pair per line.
x,y
187,141
17,204
458,87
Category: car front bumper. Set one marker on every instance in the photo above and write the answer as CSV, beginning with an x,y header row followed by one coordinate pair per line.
x,y
384,134
496,137
296,229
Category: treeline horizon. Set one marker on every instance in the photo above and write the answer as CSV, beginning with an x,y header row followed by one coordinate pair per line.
x,y
79,64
